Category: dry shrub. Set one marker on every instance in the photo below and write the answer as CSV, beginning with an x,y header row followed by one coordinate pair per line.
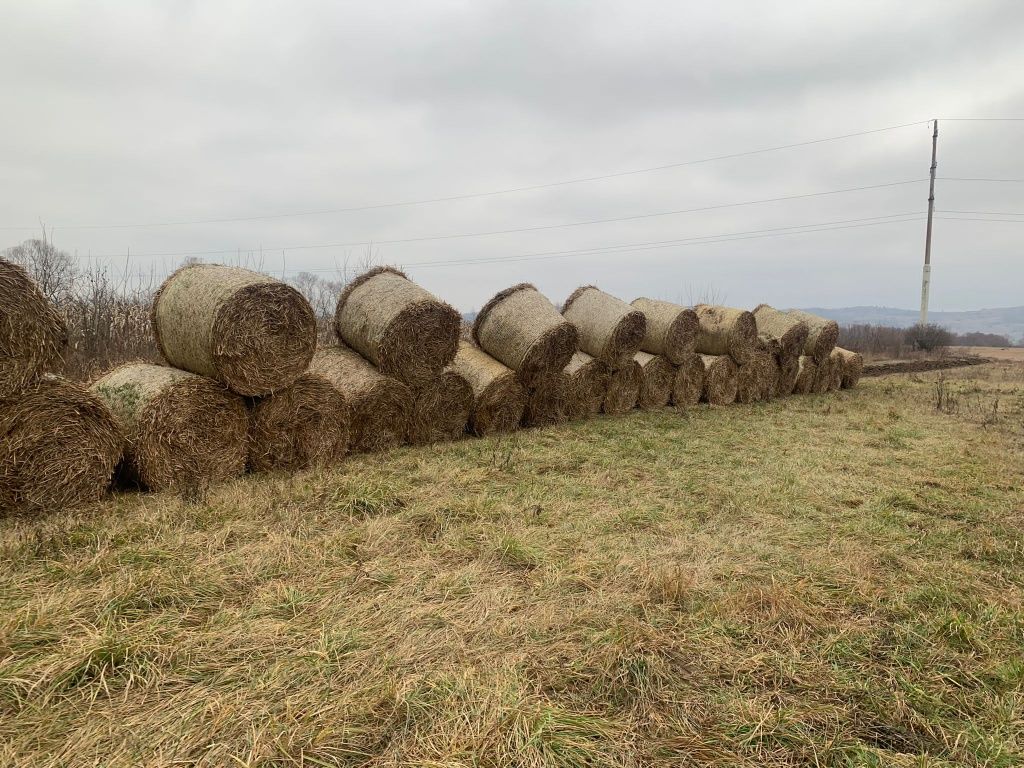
x,y
248,331
32,335
59,447
441,409
183,431
301,426
726,331
610,329
789,370
720,379
671,329
807,374
623,389
404,330
498,398
588,378
790,332
822,334
657,378
549,402
381,406
852,367
689,382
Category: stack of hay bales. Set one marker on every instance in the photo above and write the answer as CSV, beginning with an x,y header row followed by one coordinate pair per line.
x,y
821,339
852,367
790,335
726,332
671,334
499,399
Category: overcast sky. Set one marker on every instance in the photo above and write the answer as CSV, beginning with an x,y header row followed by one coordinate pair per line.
x,y
135,113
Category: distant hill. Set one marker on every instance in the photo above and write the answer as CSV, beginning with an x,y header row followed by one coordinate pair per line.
x,y
1008,321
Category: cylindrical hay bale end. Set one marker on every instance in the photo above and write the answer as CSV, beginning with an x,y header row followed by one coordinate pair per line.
x,y
836,369
789,331
248,331
184,432
498,398
726,331
689,382
588,379
522,329
656,382
671,329
789,370
720,379
807,374
32,335
852,367
823,376
747,385
623,389
610,329
441,409
404,330
549,402
822,334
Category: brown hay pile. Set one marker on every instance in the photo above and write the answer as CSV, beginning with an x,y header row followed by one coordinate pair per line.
x,y
657,378
498,398
671,329
807,374
623,389
768,372
301,426
747,382
588,380
790,332
441,409
550,401
381,406
32,334
789,370
837,366
59,447
610,329
248,331
824,376
689,382
404,330
821,337
726,331
183,431
523,330
852,367
720,379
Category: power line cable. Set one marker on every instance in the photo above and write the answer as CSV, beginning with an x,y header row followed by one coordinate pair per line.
x,y
996,181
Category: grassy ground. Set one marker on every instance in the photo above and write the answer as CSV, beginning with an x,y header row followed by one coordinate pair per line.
x,y
825,580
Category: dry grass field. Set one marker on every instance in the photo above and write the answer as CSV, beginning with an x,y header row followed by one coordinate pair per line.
x,y
829,580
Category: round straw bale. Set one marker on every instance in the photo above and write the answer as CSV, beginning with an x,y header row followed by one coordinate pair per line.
x,y
441,409
658,377
550,401
789,370
610,329
59,446
836,369
32,334
498,398
747,382
522,329
248,331
822,334
790,332
404,330
381,406
852,367
671,329
767,374
689,381
823,376
303,425
183,431
623,389
720,379
807,374
588,379
726,331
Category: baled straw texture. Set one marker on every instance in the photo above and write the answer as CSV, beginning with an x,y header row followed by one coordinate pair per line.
x,y
441,409
381,406
747,382
852,367
550,401
404,330
790,332
726,331
671,329
824,375
522,329
183,431
720,379
623,389
248,331
498,398
658,376
807,374
301,426
822,334
610,329
836,368
32,334
59,447
588,379
789,370
689,382
769,372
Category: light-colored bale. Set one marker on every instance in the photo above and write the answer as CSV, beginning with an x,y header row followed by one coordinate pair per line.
x,y
301,426
441,409
768,373
32,335
726,331
657,377
499,399
789,370
789,331
184,432
822,334
720,379
823,376
522,329
689,382
549,402
671,329
381,406
807,374
588,379
623,389
610,329
747,382
837,366
852,367
252,333
403,329
59,447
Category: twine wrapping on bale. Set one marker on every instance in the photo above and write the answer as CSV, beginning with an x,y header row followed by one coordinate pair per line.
x,y
588,379
623,389
404,330
522,329
689,382
657,378
720,379
822,334
301,426
610,329
248,331
789,370
807,374
549,402
671,329
726,331
32,334
852,367
789,331
440,410
381,406
498,398
59,447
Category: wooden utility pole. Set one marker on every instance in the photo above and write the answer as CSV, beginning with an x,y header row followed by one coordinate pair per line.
x,y
926,274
